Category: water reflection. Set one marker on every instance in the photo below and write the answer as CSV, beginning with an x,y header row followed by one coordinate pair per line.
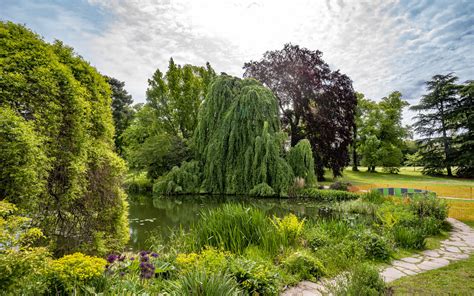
x,y
160,215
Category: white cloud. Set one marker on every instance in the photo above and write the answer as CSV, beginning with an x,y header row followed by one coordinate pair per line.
x,y
383,45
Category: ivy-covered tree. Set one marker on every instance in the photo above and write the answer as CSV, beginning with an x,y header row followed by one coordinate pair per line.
x,y
435,123
315,103
65,104
122,111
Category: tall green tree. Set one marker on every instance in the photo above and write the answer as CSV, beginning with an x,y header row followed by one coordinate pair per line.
x,y
53,96
238,145
381,135
159,136
463,115
122,111
176,96
435,123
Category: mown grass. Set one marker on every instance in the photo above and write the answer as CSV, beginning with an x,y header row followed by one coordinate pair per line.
x,y
462,210
454,279
407,178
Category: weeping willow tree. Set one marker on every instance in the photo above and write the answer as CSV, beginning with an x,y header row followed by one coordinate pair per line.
x,y
238,143
300,158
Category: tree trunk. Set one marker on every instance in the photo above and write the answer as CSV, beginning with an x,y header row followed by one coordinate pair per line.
x,y
447,154
354,150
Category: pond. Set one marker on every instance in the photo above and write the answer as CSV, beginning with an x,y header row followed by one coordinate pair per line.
x,y
161,215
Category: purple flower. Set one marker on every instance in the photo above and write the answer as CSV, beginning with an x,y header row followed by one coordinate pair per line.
x,y
122,273
132,258
143,253
154,255
111,258
145,259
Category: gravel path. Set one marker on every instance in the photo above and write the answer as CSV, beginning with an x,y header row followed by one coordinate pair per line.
x,y
458,246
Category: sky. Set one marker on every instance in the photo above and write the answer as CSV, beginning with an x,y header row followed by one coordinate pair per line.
x,y
382,45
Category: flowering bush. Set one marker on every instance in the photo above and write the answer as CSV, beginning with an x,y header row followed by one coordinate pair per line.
x,y
75,270
209,260
289,227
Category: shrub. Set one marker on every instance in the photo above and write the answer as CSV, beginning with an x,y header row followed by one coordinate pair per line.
x,y
209,260
358,207
339,185
373,196
256,278
409,238
289,228
138,183
24,271
429,206
180,180
316,238
76,270
262,190
200,283
362,280
304,265
431,225
328,195
375,246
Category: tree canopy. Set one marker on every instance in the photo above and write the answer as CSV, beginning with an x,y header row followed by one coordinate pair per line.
x,y
238,144
122,111
158,137
315,103
57,121
445,122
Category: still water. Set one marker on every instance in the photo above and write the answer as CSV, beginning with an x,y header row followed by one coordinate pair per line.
x,y
160,215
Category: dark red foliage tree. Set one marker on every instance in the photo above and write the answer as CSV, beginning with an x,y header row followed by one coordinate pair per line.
x,y
315,102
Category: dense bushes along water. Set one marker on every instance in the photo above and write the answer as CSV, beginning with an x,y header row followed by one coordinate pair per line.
x,y
233,248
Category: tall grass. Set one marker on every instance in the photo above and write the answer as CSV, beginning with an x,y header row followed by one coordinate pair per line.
x,y
199,283
234,227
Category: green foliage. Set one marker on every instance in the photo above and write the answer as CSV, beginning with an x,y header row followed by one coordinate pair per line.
x,y
149,147
375,246
300,158
363,279
75,271
304,265
23,163
66,102
183,179
262,190
409,238
22,267
380,138
429,206
327,195
373,196
122,112
137,182
256,278
200,283
289,228
238,138
209,260
234,227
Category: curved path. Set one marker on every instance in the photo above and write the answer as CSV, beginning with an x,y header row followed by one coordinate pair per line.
x,y
458,246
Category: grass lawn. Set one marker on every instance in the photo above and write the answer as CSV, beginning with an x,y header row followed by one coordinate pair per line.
x,y
443,186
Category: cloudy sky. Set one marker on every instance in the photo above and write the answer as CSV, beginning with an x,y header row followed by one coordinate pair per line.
x,y
382,45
